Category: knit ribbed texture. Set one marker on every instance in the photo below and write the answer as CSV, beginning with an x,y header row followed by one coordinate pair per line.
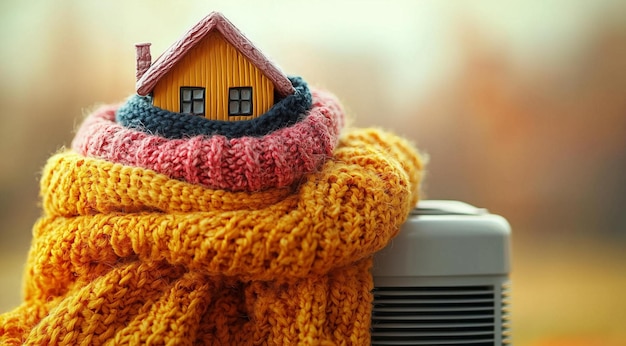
x,y
237,164
124,255
139,113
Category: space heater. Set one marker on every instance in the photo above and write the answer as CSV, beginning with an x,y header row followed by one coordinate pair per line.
x,y
444,279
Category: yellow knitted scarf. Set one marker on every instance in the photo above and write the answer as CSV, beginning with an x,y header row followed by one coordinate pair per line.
x,y
124,255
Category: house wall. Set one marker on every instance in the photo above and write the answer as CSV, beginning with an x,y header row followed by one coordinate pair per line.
x,y
216,65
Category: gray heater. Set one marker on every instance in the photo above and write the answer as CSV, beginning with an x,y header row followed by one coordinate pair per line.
x,y
444,280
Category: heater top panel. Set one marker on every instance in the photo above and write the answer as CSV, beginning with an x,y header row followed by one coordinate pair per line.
x,y
443,238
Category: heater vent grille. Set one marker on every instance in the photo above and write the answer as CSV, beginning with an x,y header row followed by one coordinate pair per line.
x,y
449,315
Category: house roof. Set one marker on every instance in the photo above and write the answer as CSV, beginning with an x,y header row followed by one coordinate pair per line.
x,y
214,21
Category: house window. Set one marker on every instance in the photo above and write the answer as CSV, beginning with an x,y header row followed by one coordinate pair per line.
x,y
192,100
240,101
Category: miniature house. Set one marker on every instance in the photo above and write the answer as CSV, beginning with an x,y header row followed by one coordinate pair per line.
x,y
212,71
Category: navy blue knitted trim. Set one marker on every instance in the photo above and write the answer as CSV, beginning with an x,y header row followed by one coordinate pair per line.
x,y
138,113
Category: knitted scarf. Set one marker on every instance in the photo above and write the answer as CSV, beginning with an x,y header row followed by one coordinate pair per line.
x,y
139,113
245,163
128,255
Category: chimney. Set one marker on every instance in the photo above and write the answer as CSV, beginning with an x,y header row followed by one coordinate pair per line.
x,y
143,58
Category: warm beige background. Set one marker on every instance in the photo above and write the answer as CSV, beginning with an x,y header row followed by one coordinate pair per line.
x,y
521,107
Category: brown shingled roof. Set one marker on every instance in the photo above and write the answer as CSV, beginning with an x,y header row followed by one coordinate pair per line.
x,y
214,21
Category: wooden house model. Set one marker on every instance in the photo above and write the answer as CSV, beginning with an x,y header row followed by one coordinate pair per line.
x,y
212,71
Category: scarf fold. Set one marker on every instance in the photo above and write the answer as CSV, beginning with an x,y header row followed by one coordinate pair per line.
x,y
277,159
125,255
138,113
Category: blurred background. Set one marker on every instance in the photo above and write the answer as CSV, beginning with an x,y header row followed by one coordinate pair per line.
x,y
521,107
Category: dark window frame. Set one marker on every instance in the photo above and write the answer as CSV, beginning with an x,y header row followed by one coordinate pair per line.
x,y
237,101
193,100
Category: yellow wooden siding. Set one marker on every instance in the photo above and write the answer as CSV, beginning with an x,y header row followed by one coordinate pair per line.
x,y
215,65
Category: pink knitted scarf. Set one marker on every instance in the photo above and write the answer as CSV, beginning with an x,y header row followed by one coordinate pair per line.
x,y
238,164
